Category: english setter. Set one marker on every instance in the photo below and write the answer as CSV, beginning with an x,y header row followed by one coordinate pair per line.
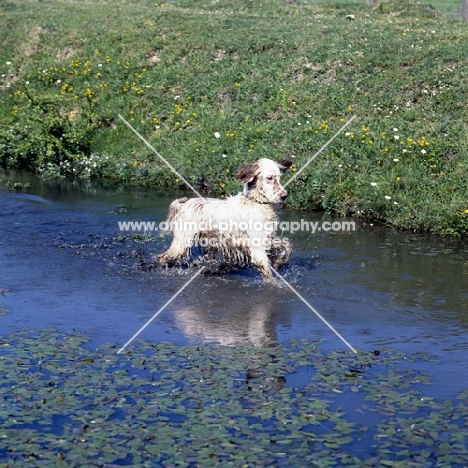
x,y
238,231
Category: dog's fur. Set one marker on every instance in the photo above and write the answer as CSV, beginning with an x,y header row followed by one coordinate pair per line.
x,y
259,203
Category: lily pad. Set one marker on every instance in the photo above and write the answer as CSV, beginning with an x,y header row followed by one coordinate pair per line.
x,y
208,405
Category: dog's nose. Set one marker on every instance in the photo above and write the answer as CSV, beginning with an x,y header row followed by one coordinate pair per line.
x,y
284,195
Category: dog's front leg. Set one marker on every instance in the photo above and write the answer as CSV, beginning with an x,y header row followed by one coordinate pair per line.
x,y
280,254
259,258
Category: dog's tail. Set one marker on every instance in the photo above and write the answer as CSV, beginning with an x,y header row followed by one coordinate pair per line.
x,y
174,208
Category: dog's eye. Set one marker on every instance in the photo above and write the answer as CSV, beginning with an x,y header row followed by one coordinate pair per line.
x,y
270,178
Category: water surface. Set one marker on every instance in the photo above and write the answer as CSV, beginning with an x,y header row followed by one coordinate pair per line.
x,y
65,264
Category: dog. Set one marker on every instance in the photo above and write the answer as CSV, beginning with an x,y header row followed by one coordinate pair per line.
x,y
238,231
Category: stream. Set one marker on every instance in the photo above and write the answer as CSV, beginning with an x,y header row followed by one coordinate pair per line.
x,y
66,264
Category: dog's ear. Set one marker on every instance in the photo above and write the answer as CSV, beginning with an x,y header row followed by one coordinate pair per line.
x,y
248,173
284,165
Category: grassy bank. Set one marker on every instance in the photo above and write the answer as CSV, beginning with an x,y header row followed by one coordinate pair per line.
x,y
273,79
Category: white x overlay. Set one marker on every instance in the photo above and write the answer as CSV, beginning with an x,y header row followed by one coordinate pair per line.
x,y
201,269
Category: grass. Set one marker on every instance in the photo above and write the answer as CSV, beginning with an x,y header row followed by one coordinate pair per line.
x,y
273,79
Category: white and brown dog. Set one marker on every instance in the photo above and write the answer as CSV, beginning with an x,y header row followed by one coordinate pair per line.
x,y
238,231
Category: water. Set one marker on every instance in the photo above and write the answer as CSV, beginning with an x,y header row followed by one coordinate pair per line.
x,y
63,265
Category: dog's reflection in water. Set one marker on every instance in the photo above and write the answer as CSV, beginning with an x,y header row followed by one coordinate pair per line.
x,y
226,316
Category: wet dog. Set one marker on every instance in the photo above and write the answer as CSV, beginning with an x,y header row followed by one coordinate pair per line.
x,y
238,231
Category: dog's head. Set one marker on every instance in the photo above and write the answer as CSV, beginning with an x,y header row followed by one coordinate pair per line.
x,y
262,180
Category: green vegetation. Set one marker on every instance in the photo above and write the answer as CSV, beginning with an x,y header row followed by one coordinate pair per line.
x,y
452,7
273,78
160,404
